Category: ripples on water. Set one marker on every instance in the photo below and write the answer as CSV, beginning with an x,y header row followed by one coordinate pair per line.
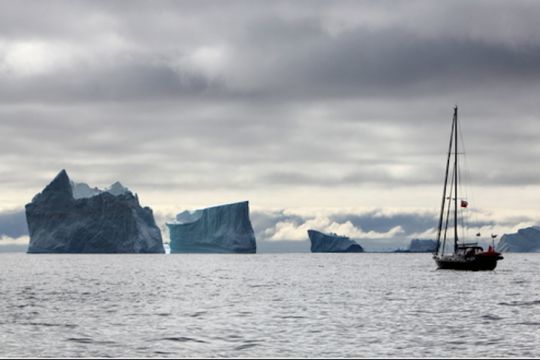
x,y
290,305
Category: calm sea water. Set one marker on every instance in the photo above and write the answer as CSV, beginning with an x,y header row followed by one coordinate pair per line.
x,y
290,305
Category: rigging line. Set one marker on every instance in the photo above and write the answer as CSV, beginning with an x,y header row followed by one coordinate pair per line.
x,y
464,175
463,211
455,180
463,227
471,213
461,191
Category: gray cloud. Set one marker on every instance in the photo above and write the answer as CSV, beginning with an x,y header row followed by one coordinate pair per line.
x,y
313,97
13,224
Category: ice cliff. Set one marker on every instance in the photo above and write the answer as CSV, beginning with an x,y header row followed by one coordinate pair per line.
x,y
74,218
321,242
219,229
525,240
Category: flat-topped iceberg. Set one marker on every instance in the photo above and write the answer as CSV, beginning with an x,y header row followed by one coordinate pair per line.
x,y
525,240
67,217
321,242
218,229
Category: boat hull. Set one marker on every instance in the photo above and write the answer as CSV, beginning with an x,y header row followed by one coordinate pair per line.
x,y
480,262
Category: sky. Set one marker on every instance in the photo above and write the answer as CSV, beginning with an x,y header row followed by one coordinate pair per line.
x,y
329,115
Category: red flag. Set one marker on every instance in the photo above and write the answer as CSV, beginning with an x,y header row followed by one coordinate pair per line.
x,y
464,203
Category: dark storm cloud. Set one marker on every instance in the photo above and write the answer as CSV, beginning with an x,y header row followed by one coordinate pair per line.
x,y
121,81
383,63
271,57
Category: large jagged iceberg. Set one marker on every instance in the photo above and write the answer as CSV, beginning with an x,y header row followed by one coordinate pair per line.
x,y
67,217
219,229
321,242
525,240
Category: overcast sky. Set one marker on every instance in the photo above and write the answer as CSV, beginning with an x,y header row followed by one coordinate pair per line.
x,y
329,110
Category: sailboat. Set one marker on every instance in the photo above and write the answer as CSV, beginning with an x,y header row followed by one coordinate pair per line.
x,y
465,256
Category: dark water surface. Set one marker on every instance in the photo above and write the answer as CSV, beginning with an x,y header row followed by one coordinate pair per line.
x,y
290,305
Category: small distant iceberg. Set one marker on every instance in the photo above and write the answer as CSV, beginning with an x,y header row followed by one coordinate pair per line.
x,y
420,246
333,243
525,240
220,229
69,217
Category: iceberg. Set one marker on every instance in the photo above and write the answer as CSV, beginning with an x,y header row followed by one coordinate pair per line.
x,y
422,245
83,190
525,240
67,217
219,229
321,242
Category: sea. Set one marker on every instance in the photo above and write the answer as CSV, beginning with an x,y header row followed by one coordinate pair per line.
x,y
266,305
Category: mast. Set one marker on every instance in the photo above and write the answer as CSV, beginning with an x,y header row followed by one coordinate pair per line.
x,y
443,203
455,181
447,216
